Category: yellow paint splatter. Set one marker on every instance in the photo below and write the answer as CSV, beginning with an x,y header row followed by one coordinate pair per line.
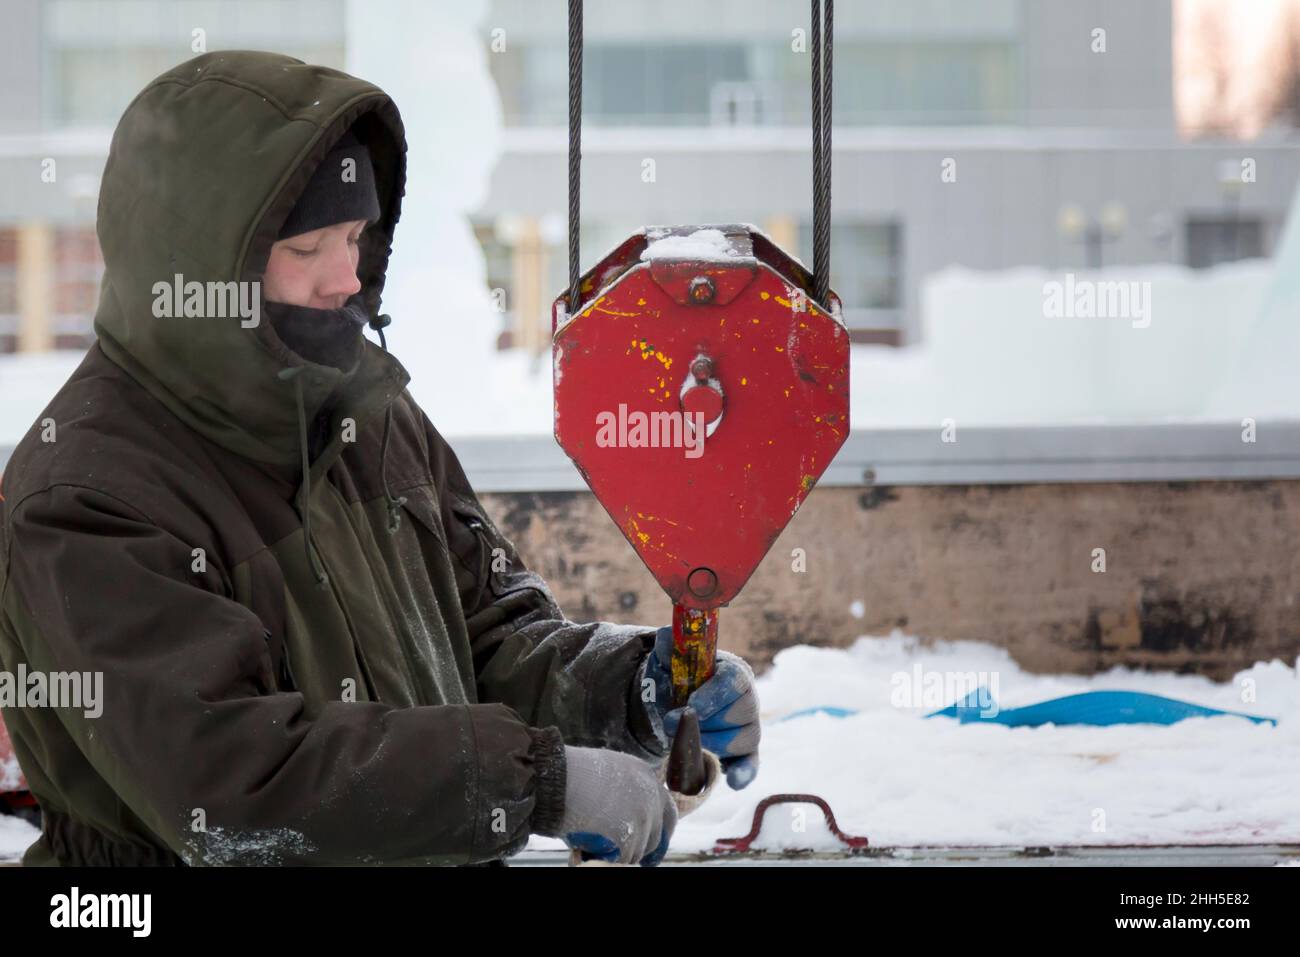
x,y
778,349
640,302
612,312
744,381
783,301
764,295
656,518
636,530
647,351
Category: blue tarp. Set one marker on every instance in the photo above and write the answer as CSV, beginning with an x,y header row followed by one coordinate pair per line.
x,y
1097,708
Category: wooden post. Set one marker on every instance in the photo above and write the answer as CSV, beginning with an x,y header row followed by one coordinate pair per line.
x,y
35,286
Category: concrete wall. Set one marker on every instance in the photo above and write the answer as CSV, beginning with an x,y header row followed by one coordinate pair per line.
x,y
1200,577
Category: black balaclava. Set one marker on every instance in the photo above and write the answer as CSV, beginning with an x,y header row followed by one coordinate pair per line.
x,y
338,192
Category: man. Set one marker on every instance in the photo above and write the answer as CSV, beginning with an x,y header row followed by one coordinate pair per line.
x,y
316,647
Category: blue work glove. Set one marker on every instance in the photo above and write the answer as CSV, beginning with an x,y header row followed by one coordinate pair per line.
x,y
727,705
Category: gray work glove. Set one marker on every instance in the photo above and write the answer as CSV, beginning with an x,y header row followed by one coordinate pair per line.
x,y
616,808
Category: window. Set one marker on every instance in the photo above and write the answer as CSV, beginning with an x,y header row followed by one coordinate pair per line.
x,y
1223,240
866,271
499,261
921,82
655,85
100,53
78,269
8,291
925,83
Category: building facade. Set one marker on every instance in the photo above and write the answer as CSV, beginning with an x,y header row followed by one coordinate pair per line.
x,y
983,133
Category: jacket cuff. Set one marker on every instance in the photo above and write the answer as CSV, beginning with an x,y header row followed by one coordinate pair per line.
x,y
549,767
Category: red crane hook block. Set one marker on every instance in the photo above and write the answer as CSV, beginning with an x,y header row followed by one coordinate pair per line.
x,y
701,392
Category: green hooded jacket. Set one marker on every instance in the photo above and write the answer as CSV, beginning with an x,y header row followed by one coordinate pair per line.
x,y
390,685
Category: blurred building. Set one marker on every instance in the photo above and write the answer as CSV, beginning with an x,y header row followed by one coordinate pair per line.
x,y
1062,141
68,68
985,133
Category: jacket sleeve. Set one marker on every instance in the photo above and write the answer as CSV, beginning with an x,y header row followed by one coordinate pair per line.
x,y
192,722
581,677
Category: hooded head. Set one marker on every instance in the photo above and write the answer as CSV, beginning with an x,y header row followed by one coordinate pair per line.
x,y
206,171
310,293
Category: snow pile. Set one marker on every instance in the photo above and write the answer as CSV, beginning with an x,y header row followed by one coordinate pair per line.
x,y
996,350
444,324
10,774
1263,383
707,244
28,382
901,779
16,835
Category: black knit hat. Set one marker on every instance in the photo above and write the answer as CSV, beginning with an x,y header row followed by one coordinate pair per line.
x,y
338,191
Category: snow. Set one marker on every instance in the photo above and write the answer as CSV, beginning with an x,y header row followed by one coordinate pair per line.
x,y
10,773
444,324
902,780
28,382
704,244
990,356
16,835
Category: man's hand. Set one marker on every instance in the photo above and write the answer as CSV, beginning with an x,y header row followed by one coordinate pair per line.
x,y
727,705
615,807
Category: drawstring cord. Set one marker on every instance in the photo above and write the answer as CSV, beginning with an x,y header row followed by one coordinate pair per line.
x,y
395,503
317,571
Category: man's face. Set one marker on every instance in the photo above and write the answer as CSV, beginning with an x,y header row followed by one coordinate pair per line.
x,y
316,269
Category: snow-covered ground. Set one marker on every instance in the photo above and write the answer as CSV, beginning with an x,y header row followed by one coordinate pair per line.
x,y
904,780
16,835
